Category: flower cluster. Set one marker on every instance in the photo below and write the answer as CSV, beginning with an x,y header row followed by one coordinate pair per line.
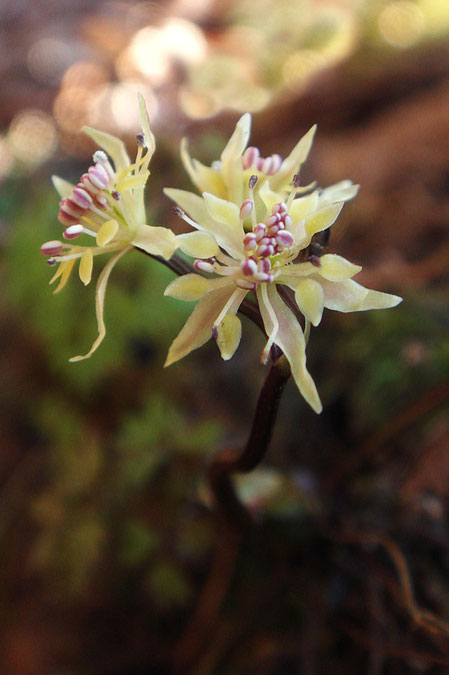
x,y
107,205
253,231
255,226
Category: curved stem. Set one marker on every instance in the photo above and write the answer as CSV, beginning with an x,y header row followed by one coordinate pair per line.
x,y
230,461
234,517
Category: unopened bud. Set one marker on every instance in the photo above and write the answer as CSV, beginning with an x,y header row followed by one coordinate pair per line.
x,y
249,241
203,266
250,157
284,237
246,209
53,247
249,267
73,231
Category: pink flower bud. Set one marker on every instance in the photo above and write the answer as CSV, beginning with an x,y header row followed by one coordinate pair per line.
x,y
271,220
98,176
250,156
265,251
246,209
249,267
260,164
203,266
259,232
285,238
71,208
53,247
264,265
73,231
249,241
81,197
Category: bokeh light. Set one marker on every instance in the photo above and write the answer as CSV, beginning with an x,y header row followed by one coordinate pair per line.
x,y
32,136
401,23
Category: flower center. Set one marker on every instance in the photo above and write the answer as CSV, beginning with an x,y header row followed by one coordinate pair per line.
x,y
264,247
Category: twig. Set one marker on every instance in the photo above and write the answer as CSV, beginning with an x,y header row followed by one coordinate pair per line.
x,y
422,618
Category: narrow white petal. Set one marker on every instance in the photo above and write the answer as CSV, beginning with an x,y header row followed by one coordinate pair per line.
x,y
309,297
156,240
349,296
191,287
336,268
229,335
112,145
291,165
145,123
231,159
99,303
290,339
198,327
222,210
195,206
62,187
198,244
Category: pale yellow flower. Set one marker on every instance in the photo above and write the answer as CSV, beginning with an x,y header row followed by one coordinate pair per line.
x,y
253,234
107,205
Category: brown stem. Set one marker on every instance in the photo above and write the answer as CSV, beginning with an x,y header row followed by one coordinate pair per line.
x,y
230,461
234,517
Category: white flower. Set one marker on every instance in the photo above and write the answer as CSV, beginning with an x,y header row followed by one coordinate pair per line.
x,y
107,205
254,228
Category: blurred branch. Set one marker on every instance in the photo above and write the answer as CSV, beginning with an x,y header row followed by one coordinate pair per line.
x,y
423,618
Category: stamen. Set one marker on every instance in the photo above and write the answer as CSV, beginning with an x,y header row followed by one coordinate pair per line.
x,y
140,138
249,241
203,266
115,194
252,182
53,247
100,156
181,214
51,261
249,267
246,209
73,231
250,157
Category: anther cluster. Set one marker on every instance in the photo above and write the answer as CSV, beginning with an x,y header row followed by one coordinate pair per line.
x,y
267,165
88,193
